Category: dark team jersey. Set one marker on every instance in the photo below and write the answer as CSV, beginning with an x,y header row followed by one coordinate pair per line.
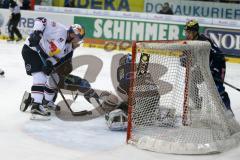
x,y
217,63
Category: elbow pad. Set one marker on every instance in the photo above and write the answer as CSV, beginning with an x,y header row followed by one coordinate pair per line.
x,y
35,38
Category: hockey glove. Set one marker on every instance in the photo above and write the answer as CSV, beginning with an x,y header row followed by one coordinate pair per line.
x,y
217,75
48,68
35,38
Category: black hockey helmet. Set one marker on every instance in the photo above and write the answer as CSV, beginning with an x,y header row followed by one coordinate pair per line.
x,y
192,25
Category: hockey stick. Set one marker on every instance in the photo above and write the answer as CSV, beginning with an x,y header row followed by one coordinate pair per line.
x,y
80,113
75,97
27,100
228,84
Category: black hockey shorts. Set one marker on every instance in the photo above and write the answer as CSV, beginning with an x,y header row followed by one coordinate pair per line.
x,y
32,60
15,20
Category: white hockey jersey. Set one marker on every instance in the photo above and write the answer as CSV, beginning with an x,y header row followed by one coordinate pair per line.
x,y
53,41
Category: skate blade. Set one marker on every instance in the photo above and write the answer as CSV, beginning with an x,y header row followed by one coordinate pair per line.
x,y
37,117
23,106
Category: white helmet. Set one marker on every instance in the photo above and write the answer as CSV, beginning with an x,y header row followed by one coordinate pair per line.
x,y
78,30
116,120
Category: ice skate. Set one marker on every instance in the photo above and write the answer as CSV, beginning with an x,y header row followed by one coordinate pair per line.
x,y
39,112
51,106
26,101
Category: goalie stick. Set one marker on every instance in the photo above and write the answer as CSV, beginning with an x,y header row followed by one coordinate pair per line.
x,y
98,110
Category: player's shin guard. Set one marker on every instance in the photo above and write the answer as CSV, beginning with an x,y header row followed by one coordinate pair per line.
x,y
37,93
39,80
49,94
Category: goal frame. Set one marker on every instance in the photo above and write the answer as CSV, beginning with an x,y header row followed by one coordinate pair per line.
x,y
232,138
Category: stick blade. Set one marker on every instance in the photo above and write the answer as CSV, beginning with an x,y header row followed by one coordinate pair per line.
x,y
82,113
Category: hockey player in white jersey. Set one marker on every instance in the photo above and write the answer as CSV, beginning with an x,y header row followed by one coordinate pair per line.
x,y
52,43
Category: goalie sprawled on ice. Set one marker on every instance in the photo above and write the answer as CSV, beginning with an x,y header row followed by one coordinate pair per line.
x,y
148,91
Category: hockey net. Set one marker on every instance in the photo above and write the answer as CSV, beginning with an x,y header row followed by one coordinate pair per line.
x,y
174,105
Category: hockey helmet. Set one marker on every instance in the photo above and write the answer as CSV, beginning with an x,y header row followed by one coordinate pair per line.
x,y
192,25
78,30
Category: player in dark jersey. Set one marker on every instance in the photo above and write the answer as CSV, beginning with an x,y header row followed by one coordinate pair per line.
x,y
216,60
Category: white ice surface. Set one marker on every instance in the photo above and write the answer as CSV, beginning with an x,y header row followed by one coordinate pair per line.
x,y
23,139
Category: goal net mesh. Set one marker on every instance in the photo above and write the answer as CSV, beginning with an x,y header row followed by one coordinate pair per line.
x,y
174,105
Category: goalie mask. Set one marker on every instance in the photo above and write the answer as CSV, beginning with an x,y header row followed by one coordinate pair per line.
x,y
116,120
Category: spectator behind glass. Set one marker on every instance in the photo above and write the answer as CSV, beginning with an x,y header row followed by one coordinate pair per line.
x,y
166,9
45,2
25,5
69,3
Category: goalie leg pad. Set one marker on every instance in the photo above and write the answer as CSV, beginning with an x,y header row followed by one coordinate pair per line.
x,y
91,94
76,82
110,103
